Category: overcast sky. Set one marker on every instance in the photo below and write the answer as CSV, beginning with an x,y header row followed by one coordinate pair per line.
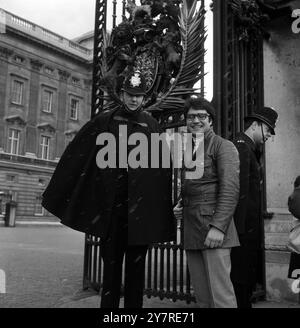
x,y
69,18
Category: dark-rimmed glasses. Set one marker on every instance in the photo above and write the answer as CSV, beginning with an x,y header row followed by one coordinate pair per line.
x,y
200,116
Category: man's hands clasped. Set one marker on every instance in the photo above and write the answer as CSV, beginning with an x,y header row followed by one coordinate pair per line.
x,y
214,239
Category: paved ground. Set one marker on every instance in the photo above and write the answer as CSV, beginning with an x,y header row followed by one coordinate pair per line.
x,y
90,300
44,266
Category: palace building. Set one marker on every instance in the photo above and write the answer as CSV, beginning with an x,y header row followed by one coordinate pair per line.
x,y
45,98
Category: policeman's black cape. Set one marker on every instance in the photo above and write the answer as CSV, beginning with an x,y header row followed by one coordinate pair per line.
x,y
82,196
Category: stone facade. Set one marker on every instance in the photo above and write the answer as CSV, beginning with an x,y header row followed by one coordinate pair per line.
x,y
45,98
282,85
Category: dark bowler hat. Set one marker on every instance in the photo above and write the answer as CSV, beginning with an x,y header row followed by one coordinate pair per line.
x,y
266,115
135,84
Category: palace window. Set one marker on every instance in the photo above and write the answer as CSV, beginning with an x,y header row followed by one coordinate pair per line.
x,y
19,59
74,108
17,92
11,178
75,81
49,70
47,101
39,210
45,147
13,141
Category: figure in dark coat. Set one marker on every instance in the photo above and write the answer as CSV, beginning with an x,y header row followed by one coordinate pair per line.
x,y
248,215
128,208
294,199
294,208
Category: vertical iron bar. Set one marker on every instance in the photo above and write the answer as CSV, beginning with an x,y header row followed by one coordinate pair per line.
x,y
249,88
90,259
155,284
92,262
235,73
241,88
149,277
174,272
100,268
245,78
168,268
123,10
203,56
229,119
188,281
86,263
95,261
114,15
100,28
181,269
162,271
217,61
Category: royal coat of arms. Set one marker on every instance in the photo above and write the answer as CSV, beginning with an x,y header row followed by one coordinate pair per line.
x,y
164,40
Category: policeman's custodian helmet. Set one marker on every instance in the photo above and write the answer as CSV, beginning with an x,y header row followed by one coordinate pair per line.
x,y
267,115
135,84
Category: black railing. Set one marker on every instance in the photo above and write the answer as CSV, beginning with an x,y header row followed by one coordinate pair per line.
x,y
166,273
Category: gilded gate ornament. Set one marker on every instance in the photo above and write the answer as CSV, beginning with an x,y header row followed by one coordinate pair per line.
x,y
164,40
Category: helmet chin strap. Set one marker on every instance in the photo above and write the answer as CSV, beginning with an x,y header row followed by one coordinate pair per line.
x,y
262,132
133,112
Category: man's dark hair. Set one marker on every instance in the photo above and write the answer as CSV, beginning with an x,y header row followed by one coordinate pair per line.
x,y
297,182
199,104
248,122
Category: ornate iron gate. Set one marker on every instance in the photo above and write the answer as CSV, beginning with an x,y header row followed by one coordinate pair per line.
x,y
238,76
166,269
238,81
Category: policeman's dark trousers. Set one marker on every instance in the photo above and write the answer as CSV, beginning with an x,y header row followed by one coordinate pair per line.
x,y
113,250
112,277
243,293
244,263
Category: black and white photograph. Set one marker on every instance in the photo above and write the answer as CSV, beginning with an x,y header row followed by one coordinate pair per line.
x,y
149,156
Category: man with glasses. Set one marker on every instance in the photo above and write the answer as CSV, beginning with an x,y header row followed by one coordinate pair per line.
x,y
208,204
248,215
